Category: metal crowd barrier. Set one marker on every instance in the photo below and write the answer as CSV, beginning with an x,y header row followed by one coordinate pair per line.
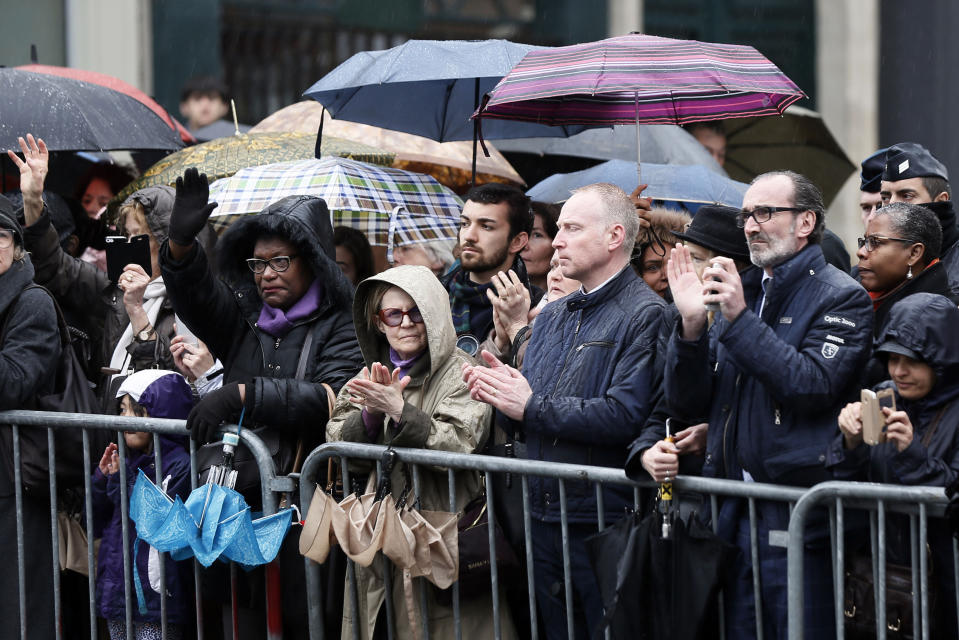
x,y
919,503
17,420
489,465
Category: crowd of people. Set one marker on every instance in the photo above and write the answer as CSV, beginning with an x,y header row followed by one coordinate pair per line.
x,y
578,331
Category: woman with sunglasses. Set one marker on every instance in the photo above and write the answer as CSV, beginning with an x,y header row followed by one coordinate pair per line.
x,y
411,394
899,256
278,318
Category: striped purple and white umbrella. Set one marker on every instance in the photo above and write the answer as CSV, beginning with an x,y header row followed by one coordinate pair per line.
x,y
637,79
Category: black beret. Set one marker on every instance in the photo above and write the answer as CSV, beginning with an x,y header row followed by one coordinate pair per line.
x,y
871,175
714,227
911,160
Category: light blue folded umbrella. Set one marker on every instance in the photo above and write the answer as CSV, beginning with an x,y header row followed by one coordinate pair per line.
x,y
228,530
680,183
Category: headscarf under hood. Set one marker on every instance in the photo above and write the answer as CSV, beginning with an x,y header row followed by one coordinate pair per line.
x,y
158,203
431,299
303,221
925,324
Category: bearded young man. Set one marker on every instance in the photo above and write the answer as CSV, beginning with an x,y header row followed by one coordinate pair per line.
x,y
494,228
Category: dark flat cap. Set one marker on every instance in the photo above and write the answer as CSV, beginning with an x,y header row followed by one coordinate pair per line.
x,y
911,160
714,227
871,175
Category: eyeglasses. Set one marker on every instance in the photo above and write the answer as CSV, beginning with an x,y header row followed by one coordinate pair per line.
x,y
278,264
394,317
761,214
871,243
6,239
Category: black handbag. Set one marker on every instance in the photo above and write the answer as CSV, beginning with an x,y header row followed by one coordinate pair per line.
x,y
474,559
71,394
860,603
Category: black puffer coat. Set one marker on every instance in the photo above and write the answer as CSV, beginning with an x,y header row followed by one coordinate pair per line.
x,y
29,352
224,312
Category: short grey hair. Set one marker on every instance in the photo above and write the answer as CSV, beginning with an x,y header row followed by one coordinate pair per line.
x,y
915,223
806,196
617,209
440,251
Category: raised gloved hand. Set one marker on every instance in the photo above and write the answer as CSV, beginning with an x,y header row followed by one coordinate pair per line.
x,y
222,405
190,209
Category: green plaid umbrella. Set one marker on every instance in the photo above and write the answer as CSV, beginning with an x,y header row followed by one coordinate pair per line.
x,y
223,157
391,206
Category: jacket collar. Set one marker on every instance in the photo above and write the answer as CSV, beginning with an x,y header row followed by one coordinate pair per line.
x,y
788,274
580,300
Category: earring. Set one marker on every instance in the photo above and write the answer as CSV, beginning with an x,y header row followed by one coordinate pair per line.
x,y
909,275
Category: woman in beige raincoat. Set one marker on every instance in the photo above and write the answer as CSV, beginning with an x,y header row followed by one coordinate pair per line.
x,y
411,393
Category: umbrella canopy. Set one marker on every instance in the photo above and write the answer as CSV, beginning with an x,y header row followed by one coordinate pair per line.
x,y
228,530
658,588
116,84
426,87
681,183
225,156
538,158
798,140
381,202
71,115
448,162
640,79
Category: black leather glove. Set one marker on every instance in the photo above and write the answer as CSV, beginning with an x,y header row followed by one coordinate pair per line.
x,y
222,405
190,209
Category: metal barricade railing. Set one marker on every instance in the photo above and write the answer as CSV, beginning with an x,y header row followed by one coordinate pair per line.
x,y
52,422
488,466
919,503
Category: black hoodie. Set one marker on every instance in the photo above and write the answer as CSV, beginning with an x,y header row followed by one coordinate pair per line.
x,y
949,256
223,313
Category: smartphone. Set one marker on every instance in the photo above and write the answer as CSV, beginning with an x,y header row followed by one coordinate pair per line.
x,y
121,252
183,330
714,306
873,420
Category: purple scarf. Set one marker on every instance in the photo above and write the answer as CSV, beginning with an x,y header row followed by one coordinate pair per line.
x,y
404,365
278,323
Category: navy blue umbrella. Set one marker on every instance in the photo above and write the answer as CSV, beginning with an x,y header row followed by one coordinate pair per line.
x,y
428,88
71,115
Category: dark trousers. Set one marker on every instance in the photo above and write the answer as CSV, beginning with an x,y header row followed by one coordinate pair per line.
x,y
740,610
550,586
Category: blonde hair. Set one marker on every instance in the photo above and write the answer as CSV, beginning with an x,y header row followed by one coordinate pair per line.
x,y
135,210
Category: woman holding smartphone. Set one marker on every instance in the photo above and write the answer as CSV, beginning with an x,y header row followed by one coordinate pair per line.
x,y
132,317
920,348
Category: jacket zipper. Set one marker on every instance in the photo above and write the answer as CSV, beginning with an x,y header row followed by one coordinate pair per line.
x,y
579,321
729,417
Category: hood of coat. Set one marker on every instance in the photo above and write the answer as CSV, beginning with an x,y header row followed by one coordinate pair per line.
x,y
925,323
158,203
431,299
14,280
947,219
304,221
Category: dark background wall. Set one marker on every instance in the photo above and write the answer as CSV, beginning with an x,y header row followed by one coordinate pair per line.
x,y
919,68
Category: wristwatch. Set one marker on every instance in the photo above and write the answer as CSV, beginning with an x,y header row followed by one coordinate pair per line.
x,y
144,335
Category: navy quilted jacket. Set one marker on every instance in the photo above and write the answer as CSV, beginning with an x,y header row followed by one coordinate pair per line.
x,y
592,366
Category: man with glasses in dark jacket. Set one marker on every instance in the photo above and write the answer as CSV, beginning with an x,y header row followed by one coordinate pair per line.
x,y
772,373
589,382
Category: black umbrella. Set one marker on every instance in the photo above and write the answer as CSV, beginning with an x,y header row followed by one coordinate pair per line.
x,y
71,115
659,588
